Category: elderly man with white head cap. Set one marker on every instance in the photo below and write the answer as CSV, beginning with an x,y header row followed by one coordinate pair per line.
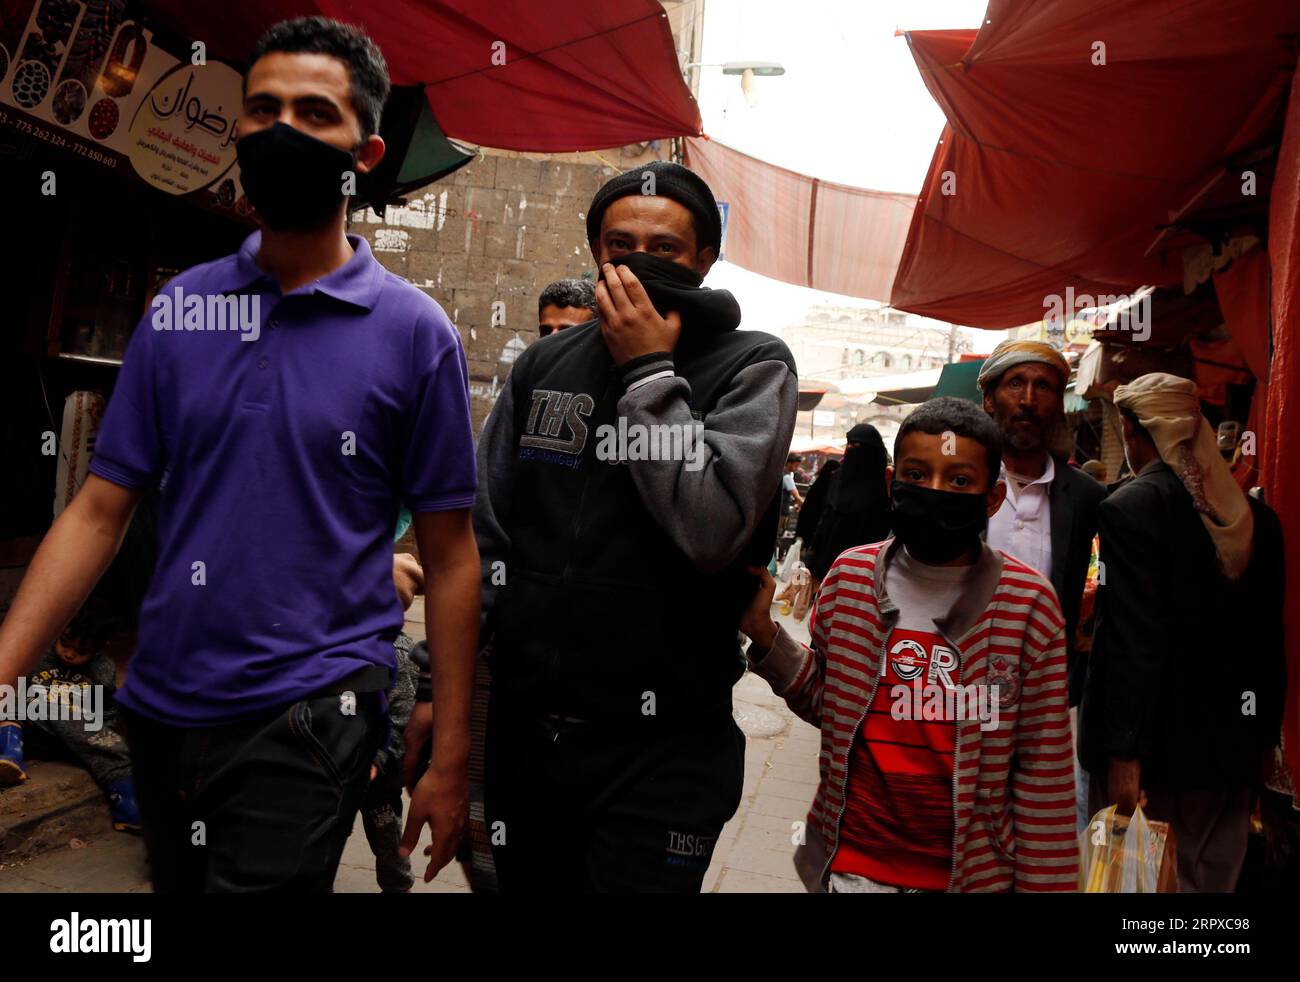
x,y
1186,677
1049,516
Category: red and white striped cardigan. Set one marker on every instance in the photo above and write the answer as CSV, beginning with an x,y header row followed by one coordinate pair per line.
x,y
1014,802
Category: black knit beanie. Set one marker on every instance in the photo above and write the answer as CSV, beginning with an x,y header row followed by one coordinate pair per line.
x,y
672,181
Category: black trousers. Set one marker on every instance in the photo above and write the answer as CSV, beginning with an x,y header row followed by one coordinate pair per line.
x,y
581,808
261,805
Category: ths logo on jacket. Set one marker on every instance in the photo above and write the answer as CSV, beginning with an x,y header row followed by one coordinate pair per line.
x,y
552,413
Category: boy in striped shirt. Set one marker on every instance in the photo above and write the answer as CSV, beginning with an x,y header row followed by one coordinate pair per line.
x,y
937,676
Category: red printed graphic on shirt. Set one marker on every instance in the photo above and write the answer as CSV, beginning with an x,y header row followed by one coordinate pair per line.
x,y
898,816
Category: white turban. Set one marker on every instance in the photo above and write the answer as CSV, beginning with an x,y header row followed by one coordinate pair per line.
x,y
1168,408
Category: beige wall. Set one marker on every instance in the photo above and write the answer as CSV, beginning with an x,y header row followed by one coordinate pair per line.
x,y
484,243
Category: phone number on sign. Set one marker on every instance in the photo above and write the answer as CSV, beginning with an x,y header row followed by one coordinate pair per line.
x,y
57,140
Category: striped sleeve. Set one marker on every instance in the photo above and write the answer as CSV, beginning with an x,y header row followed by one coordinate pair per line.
x,y
1042,783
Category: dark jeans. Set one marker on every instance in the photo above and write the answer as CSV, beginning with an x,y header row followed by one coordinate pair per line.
x,y
260,805
381,818
578,808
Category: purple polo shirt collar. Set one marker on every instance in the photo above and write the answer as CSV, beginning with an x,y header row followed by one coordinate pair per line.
x,y
357,282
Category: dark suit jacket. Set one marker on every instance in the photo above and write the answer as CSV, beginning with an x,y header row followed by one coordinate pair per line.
x,y
1073,497
1187,671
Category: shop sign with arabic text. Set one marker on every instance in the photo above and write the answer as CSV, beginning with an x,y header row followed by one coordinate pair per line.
x,y
86,78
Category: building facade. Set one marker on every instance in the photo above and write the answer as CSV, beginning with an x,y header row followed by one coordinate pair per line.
x,y
838,346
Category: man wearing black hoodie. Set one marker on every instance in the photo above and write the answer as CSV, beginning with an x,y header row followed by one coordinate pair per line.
x,y
630,471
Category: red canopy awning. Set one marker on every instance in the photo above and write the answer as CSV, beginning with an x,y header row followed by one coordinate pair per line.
x,y
1280,464
582,75
803,230
1057,170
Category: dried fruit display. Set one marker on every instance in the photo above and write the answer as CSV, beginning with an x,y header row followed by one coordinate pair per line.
x,y
31,84
103,119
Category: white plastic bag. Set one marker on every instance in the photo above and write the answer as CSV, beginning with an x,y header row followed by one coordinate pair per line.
x,y
1127,855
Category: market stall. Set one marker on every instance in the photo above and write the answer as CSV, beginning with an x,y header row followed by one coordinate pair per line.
x,y
1096,151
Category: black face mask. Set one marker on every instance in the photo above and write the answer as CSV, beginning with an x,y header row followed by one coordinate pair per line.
x,y
295,181
936,526
672,286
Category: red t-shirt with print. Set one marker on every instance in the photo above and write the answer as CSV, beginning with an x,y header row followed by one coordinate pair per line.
x,y
898,816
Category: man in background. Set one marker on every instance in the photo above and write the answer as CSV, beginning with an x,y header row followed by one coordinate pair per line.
x,y
1049,516
565,303
1186,677
789,490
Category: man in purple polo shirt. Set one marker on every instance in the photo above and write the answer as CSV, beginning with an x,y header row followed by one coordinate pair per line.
x,y
285,400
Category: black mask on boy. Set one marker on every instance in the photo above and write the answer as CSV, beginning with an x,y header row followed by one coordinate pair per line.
x,y
936,526
294,180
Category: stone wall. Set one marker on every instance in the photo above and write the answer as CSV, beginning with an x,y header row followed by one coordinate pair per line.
x,y
484,243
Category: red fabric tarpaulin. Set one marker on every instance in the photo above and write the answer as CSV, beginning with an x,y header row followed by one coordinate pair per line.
x,y
802,230
1281,464
514,74
1056,170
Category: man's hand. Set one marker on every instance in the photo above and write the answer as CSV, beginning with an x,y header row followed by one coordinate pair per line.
x,y
441,801
628,320
756,622
1124,785
418,732
408,578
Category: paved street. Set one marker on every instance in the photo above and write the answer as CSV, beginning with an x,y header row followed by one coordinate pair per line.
x,y
753,854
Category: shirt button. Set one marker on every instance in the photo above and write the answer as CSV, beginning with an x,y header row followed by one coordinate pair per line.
x,y
262,363
1019,525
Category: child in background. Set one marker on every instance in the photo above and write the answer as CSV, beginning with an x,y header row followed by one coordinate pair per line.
x,y
381,811
67,672
912,800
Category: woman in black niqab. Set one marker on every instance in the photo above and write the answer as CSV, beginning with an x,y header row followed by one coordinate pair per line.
x,y
814,502
857,502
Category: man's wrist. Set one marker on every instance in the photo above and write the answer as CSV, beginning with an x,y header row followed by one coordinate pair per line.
x,y
449,768
642,369
764,640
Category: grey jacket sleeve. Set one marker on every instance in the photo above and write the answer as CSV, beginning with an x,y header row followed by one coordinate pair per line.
x,y
497,447
711,502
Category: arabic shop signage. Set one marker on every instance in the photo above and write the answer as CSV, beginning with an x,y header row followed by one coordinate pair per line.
x,y
182,137
84,77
